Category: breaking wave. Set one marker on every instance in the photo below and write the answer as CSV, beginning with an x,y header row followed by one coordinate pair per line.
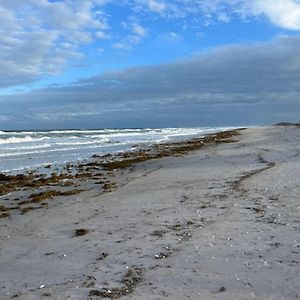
x,y
31,148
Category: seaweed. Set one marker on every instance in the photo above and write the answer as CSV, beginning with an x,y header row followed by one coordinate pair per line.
x,y
46,195
109,186
168,149
25,210
81,232
4,211
130,281
158,233
92,170
4,214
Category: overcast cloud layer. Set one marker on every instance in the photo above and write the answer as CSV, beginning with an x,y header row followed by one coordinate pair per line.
x,y
231,85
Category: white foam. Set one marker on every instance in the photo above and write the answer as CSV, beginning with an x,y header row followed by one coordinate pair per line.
x,y
39,147
25,139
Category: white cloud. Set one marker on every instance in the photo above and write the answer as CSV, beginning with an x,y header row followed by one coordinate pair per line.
x,y
8,20
135,35
70,16
223,17
283,13
121,46
102,35
139,30
194,11
173,37
39,37
156,6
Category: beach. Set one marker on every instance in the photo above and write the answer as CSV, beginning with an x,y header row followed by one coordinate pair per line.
x,y
212,219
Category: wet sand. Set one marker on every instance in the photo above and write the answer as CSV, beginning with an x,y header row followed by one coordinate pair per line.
x,y
219,222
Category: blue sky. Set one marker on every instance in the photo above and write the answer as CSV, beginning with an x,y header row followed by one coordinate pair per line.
x,y
136,63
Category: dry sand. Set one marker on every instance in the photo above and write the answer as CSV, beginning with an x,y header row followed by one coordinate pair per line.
x,y
219,223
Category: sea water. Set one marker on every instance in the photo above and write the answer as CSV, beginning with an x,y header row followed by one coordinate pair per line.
x,y
21,150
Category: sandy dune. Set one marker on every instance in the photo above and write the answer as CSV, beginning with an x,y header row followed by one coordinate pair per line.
x,y
219,223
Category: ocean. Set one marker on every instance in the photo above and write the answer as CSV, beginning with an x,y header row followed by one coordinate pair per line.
x,y
25,150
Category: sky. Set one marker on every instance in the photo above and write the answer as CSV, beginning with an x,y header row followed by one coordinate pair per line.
x,y
148,63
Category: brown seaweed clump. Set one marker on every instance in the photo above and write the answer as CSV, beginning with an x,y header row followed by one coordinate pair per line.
x,y
81,232
125,163
10,183
109,186
130,281
170,149
4,211
39,184
46,195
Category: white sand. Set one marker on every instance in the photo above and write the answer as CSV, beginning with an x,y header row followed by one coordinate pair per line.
x,y
220,223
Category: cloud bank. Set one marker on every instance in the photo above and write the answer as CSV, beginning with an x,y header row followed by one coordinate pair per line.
x,y
237,84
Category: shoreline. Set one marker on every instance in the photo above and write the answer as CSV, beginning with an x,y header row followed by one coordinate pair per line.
x,y
26,151
211,220
34,189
